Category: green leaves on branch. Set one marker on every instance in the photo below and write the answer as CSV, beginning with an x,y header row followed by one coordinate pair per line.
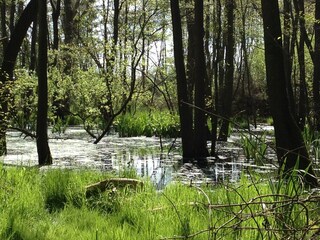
x,y
24,100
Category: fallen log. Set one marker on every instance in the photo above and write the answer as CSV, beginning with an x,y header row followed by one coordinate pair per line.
x,y
110,183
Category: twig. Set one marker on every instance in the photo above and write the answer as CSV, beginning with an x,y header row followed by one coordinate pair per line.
x,y
209,202
287,201
25,132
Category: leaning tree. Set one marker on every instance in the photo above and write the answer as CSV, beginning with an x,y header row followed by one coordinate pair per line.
x,y
9,59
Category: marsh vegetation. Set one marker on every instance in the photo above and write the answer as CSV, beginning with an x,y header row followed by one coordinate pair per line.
x,y
173,93
34,205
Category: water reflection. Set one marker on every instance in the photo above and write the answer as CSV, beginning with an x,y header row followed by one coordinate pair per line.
x,y
75,149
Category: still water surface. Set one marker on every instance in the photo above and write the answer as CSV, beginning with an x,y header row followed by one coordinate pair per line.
x,y
75,149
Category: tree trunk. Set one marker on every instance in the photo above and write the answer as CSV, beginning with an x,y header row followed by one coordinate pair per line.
x,y
4,34
184,109
288,46
70,11
116,22
228,86
56,9
200,129
246,73
290,146
303,94
62,106
12,15
44,154
8,63
191,50
68,21
216,65
33,53
316,68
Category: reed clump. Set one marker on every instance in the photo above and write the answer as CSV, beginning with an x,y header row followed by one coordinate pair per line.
x,y
155,123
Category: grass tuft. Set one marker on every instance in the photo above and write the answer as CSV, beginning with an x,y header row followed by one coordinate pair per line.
x,y
156,123
52,205
61,187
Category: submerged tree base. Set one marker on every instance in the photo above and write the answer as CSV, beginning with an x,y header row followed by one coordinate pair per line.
x,y
3,145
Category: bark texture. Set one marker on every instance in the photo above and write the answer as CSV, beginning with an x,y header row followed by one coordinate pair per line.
x,y
44,155
291,150
184,110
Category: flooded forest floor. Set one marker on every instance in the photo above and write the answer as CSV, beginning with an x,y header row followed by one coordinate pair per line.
x,y
159,160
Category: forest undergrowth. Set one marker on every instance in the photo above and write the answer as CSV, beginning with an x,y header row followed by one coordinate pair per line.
x,y
52,204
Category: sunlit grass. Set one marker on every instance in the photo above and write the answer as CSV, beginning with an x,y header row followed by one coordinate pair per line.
x,y
155,123
52,205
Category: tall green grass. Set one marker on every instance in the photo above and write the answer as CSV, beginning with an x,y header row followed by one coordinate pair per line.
x,y
52,205
312,140
254,147
143,123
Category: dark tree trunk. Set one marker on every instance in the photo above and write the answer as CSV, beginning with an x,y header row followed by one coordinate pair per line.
x,y
56,9
303,94
246,73
228,86
70,10
184,109
316,68
16,39
290,146
216,64
4,33
44,154
58,106
116,22
8,63
191,50
33,53
200,129
68,23
288,46
62,106
12,15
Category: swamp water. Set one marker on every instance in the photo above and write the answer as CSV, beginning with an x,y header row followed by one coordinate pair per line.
x,y
75,150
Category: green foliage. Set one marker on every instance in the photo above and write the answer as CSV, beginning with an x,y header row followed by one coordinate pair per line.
x,y
24,105
60,126
289,216
269,121
21,204
254,147
87,96
250,209
107,202
147,124
61,187
312,140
